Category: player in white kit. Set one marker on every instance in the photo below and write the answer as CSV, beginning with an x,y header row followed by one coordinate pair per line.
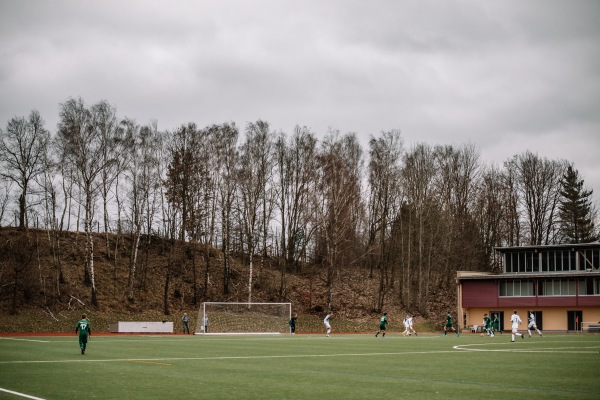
x,y
532,324
516,321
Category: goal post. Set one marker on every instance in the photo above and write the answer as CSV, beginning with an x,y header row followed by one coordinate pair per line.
x,y
222,318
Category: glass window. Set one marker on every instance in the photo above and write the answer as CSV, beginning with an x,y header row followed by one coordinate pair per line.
x,y
557,260
583,288
548,287
589,259
544,261
516,288
589,287
551,261
558,287
564,261
502,289
529,261
522,261
527,288
508,262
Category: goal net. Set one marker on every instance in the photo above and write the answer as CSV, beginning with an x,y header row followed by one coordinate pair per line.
x,y
243,318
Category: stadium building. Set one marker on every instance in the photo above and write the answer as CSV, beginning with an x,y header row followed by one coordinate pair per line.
x,y
559,283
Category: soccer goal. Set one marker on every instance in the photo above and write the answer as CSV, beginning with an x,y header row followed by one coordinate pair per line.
x,y
216,318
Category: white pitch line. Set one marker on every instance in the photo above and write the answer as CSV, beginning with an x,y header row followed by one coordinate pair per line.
x,y
25,340
229,357
20,394
515,348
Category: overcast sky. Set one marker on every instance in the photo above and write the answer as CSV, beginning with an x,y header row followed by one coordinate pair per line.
x,y
505,76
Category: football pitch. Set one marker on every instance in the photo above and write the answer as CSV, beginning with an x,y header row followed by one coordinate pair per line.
x,y
342,366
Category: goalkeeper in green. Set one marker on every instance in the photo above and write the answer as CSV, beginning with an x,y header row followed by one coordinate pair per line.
x,y
382,325
84,329
293,324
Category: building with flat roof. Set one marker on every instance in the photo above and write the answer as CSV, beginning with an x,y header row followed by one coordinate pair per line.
x,y
560,284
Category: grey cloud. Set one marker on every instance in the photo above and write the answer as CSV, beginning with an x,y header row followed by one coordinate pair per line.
x,y
506,76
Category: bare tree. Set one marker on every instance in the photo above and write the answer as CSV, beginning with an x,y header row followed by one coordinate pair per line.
x,y
254,172
23,147
384,206
456,182
181,181
297,178
491,213
5,190
201,201
170,238
336,203
114,157
143,175
83,145
49,181
538,185
153,157
421,208
226,152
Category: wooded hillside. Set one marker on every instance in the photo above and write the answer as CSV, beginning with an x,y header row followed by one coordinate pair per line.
x,y
132,218
34,297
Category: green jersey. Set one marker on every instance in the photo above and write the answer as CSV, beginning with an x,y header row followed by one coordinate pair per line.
x,y
487,322
83,327
449,321
496,323
383,322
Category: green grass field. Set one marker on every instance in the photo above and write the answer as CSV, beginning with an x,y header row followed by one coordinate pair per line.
x,y
301,367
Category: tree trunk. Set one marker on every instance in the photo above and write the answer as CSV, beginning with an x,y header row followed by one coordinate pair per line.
x,y
132,266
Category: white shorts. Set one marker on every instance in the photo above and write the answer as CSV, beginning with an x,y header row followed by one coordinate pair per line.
x,y
327,325
532,325
515,329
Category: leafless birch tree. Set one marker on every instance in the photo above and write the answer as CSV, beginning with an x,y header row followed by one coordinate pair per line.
x,y
23,147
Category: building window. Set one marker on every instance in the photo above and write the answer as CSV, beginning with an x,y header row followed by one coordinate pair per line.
x,y
521,262
516,288
532,262
557,287
589,260
508,264
557,260
549,261
589,287
567,261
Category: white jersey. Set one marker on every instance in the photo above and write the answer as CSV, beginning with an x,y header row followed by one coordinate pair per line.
x,y
326,321
516,321
532,320
409,322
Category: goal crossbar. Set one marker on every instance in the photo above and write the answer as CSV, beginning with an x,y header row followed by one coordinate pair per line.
x,y
243,318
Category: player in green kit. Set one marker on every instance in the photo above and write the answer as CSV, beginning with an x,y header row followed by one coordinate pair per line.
x,y
382,325
84,329
496,324
487,325
449,324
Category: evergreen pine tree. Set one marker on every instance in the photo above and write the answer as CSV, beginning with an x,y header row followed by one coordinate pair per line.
x,y
575,209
